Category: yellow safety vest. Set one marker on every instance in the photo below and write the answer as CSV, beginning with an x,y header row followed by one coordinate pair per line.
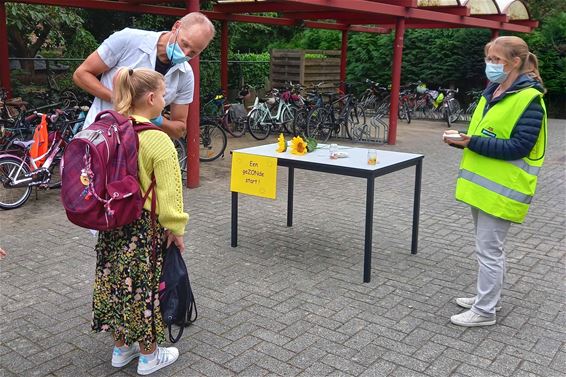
x,y
503,189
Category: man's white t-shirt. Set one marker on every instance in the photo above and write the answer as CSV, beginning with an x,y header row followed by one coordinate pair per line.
x,y
135,48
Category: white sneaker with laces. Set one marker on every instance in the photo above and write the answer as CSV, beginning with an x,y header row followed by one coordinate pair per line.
x,y
468,302
471,319
162,357
121,358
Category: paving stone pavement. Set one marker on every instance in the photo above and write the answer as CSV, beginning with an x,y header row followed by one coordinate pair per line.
x,y
290,301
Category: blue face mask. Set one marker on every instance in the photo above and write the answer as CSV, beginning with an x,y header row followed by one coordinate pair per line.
x,y
175,53
495,72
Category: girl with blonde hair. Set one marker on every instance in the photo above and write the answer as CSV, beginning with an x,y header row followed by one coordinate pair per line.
x,y
125,299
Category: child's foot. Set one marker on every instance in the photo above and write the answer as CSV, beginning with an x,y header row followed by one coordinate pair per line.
x,y
121,356
160,358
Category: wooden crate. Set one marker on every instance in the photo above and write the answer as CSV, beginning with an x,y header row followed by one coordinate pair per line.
x,y
299,66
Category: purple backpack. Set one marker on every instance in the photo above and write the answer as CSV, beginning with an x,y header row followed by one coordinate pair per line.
x,y
100,188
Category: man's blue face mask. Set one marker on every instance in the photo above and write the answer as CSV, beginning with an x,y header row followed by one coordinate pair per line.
x,y
175,53
495,72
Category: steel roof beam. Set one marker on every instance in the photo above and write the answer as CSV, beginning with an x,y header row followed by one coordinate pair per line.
x,y
460,11
393,10
494,17
530,23
150,2
369,7
122,6
403,3
259,7
345,17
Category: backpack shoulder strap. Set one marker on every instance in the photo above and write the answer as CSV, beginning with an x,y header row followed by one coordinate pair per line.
x,y
142,126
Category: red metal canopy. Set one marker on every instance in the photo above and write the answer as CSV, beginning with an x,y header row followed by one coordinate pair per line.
x,y
373,16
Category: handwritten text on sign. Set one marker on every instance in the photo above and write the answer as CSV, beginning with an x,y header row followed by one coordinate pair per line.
x,y
254,175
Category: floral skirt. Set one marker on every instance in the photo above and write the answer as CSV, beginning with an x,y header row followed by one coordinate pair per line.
x,y
126,299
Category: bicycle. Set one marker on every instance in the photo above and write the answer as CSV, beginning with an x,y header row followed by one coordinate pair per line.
x,y
476,95
10,108
272,113
231,117
428,103
375,100
212,144
406,97
304,107
341,114
19,174
450,106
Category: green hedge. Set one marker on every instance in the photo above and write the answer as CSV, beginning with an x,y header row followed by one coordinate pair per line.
x,y
248,68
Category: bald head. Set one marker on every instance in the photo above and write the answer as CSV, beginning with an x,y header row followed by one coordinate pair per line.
x,y
200,20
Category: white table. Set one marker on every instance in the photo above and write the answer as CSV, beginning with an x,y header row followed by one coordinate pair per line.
x,y
355,165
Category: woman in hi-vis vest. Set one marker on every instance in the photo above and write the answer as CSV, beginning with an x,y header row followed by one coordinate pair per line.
x,y
503,152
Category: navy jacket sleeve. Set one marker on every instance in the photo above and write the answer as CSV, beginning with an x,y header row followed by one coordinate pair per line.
x,y
523,137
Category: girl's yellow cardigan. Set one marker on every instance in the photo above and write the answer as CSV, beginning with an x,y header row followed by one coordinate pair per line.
x,y
157,155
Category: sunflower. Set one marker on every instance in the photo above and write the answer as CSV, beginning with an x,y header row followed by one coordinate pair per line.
x,y
281,144
298,146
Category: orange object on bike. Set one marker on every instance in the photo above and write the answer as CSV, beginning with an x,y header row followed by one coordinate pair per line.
x,y
40,141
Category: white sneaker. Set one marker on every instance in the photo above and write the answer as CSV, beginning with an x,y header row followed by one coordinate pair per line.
x,y
468,302
121,358
471,319
160,359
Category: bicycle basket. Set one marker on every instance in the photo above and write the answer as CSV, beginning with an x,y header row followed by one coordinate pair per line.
x,y
237,111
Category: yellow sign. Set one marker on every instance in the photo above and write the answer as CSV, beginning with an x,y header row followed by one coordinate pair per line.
x,y
254,175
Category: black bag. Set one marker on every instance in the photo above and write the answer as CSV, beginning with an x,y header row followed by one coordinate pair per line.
x,y
176,297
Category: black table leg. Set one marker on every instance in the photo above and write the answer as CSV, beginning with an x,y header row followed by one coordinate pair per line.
x,y
369,229
416,207
291,186
234,219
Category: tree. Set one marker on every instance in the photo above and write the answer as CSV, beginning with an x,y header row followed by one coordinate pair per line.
x,y
33,27
540,9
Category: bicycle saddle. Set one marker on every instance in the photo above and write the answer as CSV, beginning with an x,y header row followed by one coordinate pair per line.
x,y
24,144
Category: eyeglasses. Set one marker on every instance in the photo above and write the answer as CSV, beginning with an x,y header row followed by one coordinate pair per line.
x,y
494,60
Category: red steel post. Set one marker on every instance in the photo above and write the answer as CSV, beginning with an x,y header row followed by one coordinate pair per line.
x,y
343,60
494,34
4,61
396,79
193,120
224,58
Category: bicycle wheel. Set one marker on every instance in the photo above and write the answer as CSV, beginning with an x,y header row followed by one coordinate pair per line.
x,y
356,118
404,112
286,119
180,147
12,197
55,171
319,124
300,122
453,111
213,141
235,126
259,123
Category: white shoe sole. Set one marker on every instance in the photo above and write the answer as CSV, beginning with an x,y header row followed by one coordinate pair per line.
x,y
155,368
473,324
125,362
467,306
